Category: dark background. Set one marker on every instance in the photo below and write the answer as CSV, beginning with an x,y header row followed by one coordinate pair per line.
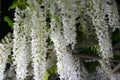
x,y
4,28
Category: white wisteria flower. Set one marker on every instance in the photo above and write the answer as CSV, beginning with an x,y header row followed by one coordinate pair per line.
x,y
39,36
102,32
101,27
5,50
68,65
21,45
68,18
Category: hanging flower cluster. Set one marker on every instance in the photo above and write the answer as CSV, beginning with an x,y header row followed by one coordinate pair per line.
x,y
111,13
31,33
39,37
102,21
5,50
102,32
68,66
101,28
21,47
63,36
68,17
30,40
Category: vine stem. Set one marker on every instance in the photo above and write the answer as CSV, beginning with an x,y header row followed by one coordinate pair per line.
x,y
113,71
85,56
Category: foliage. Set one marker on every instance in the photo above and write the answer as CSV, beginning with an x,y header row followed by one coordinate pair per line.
x,y
95,49
53,70
9,21
91,66
18,3
81,33
46,75
40,1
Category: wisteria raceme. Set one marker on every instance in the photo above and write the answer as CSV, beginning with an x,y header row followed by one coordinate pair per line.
x,y
101,27
66,21
68,65
97,75
21,49
68,16
115,76
105,66
111,13
39,37
104,40
5,50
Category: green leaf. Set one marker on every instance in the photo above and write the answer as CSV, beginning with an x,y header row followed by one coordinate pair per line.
x,y
53,70
9,21
19,3
40,1
49,41
57,20
13,6
46,76
91,66
94,48
81,34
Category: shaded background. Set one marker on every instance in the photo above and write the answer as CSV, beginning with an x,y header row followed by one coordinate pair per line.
x,y
4,28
